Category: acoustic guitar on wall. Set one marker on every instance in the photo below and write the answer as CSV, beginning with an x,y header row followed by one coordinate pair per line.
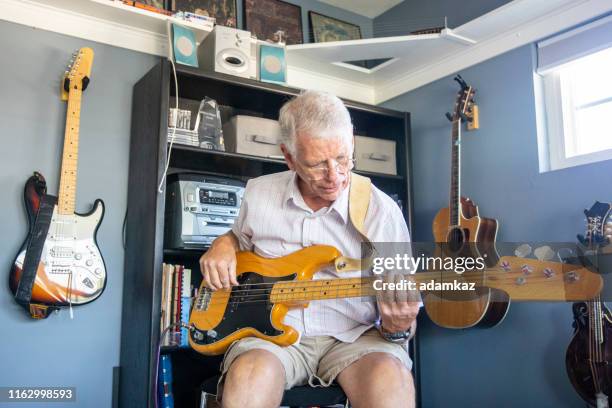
x,y
59,263
466,233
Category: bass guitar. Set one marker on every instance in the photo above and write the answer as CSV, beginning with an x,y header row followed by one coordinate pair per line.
x,y
588,359
467,235
270,287
59,263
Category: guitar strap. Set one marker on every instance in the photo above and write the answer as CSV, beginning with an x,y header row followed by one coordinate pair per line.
x,y
359,201
34,247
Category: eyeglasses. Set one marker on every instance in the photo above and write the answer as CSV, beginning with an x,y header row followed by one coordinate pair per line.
x,y
320,171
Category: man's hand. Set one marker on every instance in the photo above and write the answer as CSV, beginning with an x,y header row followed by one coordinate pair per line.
x,y
398,308
218,264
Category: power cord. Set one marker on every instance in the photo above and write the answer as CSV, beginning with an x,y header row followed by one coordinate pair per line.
x,y
163,179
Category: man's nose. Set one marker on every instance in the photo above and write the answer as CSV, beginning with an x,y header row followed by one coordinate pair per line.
x,y
332,171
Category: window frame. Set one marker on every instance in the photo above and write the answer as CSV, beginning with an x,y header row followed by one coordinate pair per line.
x,y
559,126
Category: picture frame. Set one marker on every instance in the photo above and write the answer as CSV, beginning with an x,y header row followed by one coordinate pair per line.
x,y
160,4
224,11
265,17
325,28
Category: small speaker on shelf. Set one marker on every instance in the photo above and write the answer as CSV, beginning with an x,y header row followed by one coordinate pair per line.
x,y
227,50
184,46
272,64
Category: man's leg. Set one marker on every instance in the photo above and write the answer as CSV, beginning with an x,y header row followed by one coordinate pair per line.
x,y
255,379
378,380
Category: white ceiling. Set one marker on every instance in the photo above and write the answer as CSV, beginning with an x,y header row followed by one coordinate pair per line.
x,y
368,8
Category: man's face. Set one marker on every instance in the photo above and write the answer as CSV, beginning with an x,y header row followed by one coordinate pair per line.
x,y
318,163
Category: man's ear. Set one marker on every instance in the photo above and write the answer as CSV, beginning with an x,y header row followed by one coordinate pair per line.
x,y
288,157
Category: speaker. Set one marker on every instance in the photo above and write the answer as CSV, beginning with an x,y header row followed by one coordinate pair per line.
x,y
272,64
227,50
184,46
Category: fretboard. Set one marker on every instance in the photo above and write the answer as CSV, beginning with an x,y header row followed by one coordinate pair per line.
x,y
303,291
68,175
455,192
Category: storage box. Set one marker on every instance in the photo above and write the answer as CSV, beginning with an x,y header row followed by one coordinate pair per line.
x,y
375,155
254,136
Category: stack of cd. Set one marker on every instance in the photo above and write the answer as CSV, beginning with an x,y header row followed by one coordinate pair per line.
x,y
184,137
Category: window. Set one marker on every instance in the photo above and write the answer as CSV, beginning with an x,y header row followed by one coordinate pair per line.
x,y
576,94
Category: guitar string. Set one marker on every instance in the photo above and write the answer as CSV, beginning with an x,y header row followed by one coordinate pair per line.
x,y
496,273
308,290
592,341
72,123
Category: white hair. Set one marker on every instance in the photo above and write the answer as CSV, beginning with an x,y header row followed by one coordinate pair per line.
x,y
320,114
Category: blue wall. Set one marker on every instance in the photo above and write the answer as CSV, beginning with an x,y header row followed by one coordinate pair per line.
x,y
59,351
520,363
411,15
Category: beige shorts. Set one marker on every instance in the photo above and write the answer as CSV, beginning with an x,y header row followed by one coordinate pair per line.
x,y
316,360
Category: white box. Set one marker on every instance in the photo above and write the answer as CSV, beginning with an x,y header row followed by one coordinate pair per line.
x,y
254,136
375,155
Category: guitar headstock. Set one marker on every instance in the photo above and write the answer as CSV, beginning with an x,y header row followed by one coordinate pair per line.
x,y
597,230
79,71
532,279
464,103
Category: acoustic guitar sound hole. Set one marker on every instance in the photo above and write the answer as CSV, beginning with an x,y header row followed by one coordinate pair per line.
x,y
455,240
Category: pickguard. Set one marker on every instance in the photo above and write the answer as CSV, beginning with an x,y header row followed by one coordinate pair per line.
x,y
248,306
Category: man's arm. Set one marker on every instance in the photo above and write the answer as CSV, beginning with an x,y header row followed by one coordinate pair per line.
x,y
398,309
218,264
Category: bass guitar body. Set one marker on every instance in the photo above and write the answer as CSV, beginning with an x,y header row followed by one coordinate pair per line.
x,y
254,308
588,359
71,269
474,236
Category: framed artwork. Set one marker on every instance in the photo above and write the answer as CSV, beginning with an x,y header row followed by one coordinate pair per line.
x,y
325,28
223,10
155,3
265,17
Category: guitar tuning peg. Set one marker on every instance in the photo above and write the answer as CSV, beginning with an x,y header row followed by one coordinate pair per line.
x,y
448,116
523,250
544,253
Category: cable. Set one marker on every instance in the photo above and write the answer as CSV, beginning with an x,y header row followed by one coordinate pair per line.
x,y
163,179
123,241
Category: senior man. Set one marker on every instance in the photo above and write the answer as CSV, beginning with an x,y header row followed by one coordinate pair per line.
x,y
308,205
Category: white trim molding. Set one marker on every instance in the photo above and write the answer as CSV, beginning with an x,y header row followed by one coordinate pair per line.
x,y
517,23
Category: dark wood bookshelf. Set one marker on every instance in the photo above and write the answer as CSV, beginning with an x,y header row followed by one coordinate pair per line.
x,y
145,250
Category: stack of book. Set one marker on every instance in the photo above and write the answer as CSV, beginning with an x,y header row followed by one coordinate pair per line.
x,y
175,304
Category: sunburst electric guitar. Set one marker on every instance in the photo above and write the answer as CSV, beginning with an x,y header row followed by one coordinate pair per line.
x,y
270,287
59,264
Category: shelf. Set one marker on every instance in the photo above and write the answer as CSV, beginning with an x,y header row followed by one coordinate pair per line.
x,y
334,52
317,66
188,253
228,154
279,89
259,159
174,349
